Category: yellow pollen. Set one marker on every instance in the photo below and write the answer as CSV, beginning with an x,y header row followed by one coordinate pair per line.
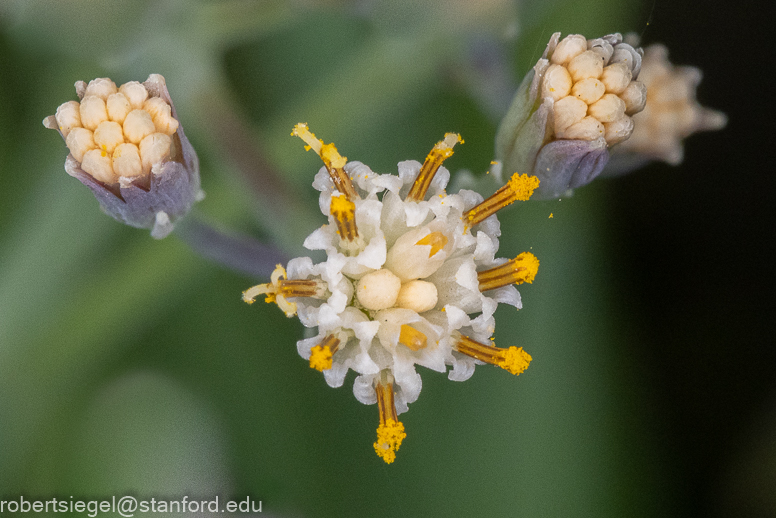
x,y
344,213
389,438
412,338
523,186
514,359
518,188
333,161
522,268
321,355
390,432
438,154
437,240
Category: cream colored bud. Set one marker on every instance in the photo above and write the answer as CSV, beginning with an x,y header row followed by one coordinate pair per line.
x,y
98,164
93,112
616,77
101,87
568,111
601,47
618,130
635,97
378,289
587,64
108,135
135,93
138,125
79,141
418,296
153,149
557,82
161,114
568,48
118,107
608,109
68,117
589,128
126,161
588,90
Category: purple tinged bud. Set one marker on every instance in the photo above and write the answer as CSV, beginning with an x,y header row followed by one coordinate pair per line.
x,y
155,193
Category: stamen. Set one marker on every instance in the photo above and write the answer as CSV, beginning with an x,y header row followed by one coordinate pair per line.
x,y
390,433
412,338
437,240
321,354
521,269
344,213
279,289
440,152
519,188
333,161
513,359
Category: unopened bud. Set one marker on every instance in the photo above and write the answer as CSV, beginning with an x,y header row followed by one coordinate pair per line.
x,y
128,147
582,91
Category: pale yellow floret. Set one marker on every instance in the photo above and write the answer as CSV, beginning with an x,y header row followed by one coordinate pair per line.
x,y
154,149
378,290
412,338
418,296
568,48
587,64
589,128
588,90
619,130
635,97
515,360
608,109
135,93
126,161
93,112
99,166
68,117
436,240
138,125
616,77
557,82
568,111
161,113
118,107
79,141
108,135
101,87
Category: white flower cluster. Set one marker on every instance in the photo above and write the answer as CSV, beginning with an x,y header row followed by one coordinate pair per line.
x,y
410,278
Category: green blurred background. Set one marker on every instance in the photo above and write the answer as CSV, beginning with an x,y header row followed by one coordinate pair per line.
x,y
130,366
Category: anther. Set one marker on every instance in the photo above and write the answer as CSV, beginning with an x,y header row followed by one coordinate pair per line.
x,y
514,359
521,269
333,161
440,152
390,432
519,188
321,355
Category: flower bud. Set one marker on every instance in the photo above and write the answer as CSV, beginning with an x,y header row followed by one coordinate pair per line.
x,y
128,147
571,108
671,114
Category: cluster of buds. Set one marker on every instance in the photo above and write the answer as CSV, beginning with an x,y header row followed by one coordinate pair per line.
x,y
410,278
127,146
577,101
